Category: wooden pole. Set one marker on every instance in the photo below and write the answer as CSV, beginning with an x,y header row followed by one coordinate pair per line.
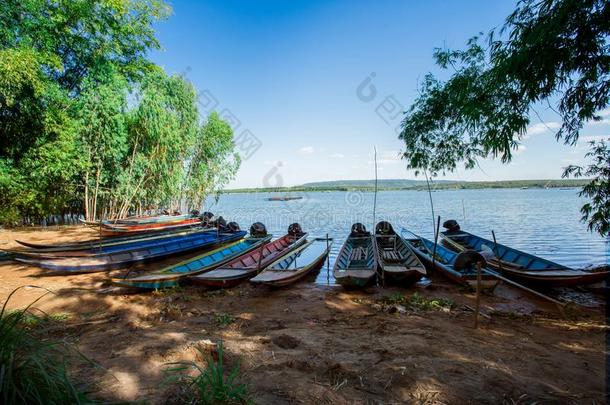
x,y
430,195
478,302
436,232
496,250
560,305
260,258
375,195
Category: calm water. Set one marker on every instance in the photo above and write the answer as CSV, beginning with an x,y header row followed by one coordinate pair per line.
x,y
543,222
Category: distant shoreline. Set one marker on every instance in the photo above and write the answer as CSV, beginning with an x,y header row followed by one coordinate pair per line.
x,y
390,185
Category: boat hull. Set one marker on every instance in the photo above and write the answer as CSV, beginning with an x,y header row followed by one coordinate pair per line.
x,y
123,259
286,272
356,263
250,264
351,279
397,262
520,266
174,275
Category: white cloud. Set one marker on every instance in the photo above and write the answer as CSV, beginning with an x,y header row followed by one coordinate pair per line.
x,y
519,149
604,113
603,121
306,150
589,138
388,157
337,155
541,128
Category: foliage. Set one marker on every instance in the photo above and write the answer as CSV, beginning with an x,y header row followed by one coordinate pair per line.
x,y
87,121
547,50
417,302
32,370
213,162
210,385
596,212
223,319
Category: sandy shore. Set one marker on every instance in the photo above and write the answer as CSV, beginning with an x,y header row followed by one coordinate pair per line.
x,y
315,344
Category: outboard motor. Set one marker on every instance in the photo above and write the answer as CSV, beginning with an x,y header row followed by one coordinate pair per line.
x,y
232,227
384,228
295,230
206,218
468,259
451,225
258,230
219,223
359,230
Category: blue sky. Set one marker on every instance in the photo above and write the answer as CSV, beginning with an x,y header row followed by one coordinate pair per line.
x,y
290,76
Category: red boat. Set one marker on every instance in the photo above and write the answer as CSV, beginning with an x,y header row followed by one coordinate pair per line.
x,y
120,230
250,264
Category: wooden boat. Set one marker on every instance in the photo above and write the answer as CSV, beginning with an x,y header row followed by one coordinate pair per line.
x,y
151,219
172,275
113,248
296,265
284,198
356,264
125,258
121,230
155,219
397,262
445,262
517,265
250,264
97,244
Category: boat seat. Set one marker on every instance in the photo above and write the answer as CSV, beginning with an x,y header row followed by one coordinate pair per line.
x,y
391,255
358,256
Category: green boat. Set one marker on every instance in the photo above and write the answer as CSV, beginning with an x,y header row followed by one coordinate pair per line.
x,y
356,264
397,262
173,275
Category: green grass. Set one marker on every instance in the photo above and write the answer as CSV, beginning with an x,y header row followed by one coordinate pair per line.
x,y
31,320
417,302
222,319
32,369
211,384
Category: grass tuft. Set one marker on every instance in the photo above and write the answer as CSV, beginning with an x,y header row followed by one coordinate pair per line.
x,y
223,320
211,384
417,302
32,370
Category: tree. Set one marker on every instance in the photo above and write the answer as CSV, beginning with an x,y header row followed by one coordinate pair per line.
x,y
50,50
162,130
213,163
102,114
548,52
87,120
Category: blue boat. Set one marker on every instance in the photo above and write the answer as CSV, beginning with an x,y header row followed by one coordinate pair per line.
x,y
173,275
445,262
517,265
124,258
97,243
116,247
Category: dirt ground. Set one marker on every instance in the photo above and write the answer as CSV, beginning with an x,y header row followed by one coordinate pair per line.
x,y
318,344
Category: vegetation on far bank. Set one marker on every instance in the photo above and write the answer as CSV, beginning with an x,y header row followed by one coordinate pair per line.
x,y
385,185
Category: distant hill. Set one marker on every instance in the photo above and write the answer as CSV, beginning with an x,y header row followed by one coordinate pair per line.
x,y
381,184
401,184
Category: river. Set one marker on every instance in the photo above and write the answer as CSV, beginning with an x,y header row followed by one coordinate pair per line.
x,y
545,222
